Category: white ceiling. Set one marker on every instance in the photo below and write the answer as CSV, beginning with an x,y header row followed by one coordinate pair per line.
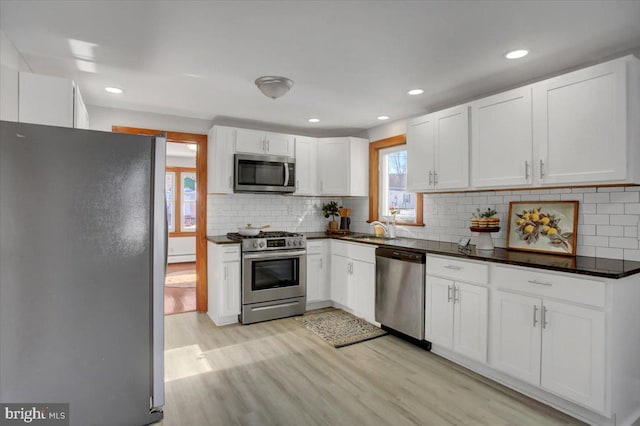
x,y
351,60
180,150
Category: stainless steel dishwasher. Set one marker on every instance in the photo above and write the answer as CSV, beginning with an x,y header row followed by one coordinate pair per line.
x,y
400,286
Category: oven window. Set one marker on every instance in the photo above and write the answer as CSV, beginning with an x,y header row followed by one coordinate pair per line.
x,y
275,273
264,173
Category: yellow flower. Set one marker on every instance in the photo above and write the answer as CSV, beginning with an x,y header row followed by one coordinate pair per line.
x,y
535,211
519,222
552,231
535,217
545,229
528,229
526,216
545,220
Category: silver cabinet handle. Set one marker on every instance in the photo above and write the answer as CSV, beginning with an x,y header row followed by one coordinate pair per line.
x,y
544,317
268,146
526,170
541,169
454,268
535,312
435,177
539,282
456,294
448,293
430,177
321,263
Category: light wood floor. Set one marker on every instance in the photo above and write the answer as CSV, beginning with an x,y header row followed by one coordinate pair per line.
x,y
179,299
279,373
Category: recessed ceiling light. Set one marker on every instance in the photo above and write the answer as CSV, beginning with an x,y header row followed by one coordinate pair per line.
x,y
516,54
383,117
115,90
313,120
415,92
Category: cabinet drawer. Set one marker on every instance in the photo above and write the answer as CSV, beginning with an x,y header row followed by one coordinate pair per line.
x,y
363,252
458,270
231,253
314,247
573,289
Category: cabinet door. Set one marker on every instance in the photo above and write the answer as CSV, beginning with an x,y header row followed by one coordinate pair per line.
x,y
580,129
516,335
471,321
420,150
340,274
279,144
220,160
231,289
364,284
501,128
316,280
306,166
439,311
573,353
451,148
250,141
333,170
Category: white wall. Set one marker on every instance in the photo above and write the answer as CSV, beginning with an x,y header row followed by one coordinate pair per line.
x,y
11,62
102,118
174,161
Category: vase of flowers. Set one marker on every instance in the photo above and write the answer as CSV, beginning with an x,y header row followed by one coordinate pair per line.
x,y
395,211
331,209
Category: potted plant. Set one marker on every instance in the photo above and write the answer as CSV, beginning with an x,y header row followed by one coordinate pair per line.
x,y
331,209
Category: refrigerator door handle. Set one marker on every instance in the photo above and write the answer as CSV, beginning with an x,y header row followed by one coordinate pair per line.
x,y
160,242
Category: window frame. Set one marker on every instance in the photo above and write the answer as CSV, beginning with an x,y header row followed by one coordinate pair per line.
x,y
177,201
374,180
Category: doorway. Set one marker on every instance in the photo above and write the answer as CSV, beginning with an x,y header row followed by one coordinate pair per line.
x,y
198,144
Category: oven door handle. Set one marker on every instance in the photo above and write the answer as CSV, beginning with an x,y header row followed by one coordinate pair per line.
x,y
274,254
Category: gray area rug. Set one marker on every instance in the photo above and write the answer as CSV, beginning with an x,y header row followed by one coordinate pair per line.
x,y
340,328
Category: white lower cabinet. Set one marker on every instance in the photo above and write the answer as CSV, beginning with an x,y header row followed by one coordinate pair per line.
x,y
557,345
353,278
456,316
317,277
223,282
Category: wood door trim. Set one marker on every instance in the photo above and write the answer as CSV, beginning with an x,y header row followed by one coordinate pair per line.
x,y
374,180
201,204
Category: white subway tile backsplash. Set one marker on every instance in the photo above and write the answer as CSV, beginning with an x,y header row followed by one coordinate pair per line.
x,y
625,197
609,253
625,243
631,231
610,231
610,208
596,219
632,255
587,208
596,198
632,209
623,219
589,240
611,189
587,229
586,251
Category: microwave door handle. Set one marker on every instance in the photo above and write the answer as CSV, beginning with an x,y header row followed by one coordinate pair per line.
x,y
286,174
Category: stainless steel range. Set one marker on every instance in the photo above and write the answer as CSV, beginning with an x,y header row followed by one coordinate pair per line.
x,y
274,275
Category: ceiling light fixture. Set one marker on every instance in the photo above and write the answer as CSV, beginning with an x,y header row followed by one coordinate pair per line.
x,y
516,54
415,92
114,90
274,87
383,117
313,120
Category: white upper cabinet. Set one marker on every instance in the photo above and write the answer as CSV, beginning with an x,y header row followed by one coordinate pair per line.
x,y
438,151
580,125
420,151
343,166
306,165
220,150
259,142
51,101
502,139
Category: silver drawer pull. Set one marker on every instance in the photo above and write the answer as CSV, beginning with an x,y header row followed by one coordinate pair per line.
x,y
539,282
454,268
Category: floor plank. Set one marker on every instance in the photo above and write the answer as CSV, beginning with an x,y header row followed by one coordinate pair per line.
x,y
279,373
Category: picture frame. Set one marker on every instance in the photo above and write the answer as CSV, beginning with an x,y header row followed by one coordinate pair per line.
x,y
548,227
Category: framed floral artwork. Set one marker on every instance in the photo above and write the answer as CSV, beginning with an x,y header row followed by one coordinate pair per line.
x,y
543,226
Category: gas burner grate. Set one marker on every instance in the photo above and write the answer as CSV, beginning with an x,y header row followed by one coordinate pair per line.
x,y
270,234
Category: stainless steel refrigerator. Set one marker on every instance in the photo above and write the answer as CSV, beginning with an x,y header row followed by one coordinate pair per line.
x,y
82,266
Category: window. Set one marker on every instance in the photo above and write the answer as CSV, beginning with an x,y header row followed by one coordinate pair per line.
x,y
181,190
388,183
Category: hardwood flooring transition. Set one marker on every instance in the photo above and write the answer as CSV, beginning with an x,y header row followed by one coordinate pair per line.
x,y
279,373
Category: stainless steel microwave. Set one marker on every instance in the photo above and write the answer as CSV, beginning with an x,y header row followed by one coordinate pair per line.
x,y
264,173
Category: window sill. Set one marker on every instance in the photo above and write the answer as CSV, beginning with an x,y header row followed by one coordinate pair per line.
x,y
182,234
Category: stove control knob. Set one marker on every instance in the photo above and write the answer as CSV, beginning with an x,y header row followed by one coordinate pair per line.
x,y
261,244
289,243
255,244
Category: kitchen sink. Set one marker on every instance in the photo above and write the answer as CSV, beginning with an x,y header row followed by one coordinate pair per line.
x,y
371,238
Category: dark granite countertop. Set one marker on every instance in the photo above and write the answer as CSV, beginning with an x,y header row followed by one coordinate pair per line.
x,y
592,266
